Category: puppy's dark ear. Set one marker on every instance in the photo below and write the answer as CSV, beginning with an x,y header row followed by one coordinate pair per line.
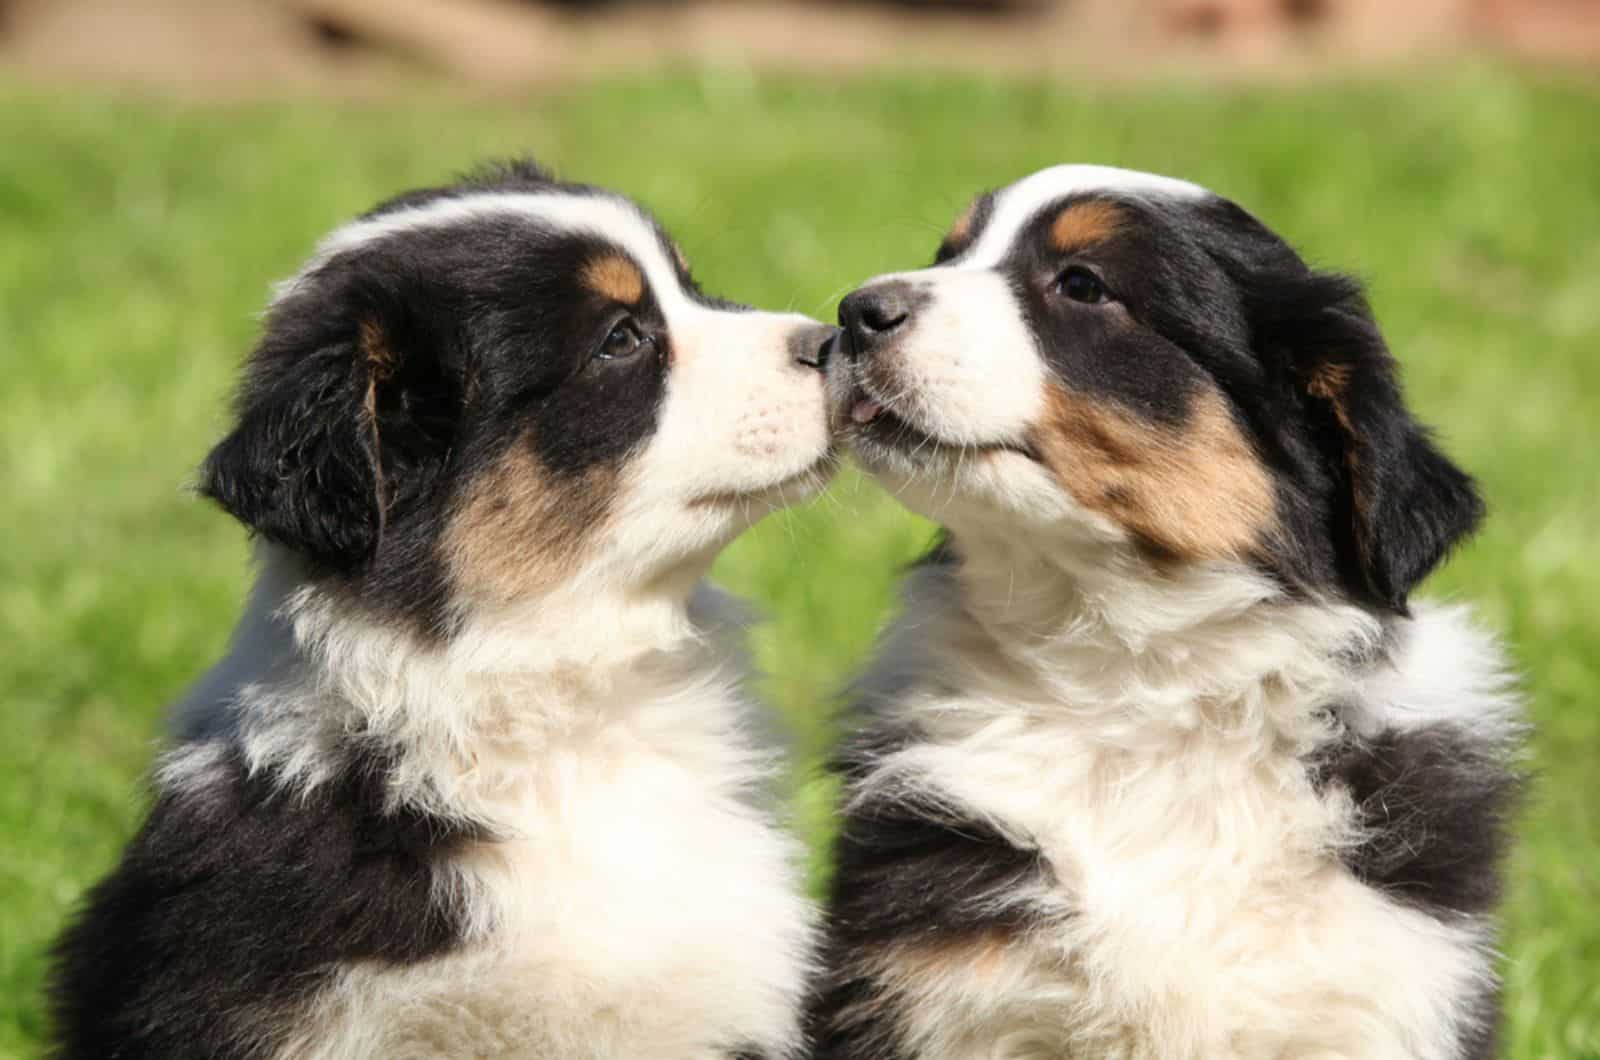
x,y
1408,504
303,466
1402,503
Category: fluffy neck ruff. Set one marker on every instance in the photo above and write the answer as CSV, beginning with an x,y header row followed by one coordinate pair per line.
x,y
1136,658
467,728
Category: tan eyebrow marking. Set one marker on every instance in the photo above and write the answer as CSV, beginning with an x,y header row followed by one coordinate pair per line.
x,y
1084,224
613,276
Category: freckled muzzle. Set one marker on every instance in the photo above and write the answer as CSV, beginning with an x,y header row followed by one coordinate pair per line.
x,y
746,420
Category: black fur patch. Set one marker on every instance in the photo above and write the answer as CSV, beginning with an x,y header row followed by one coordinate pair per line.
x,y
908,871
1437,804
1202,295
850,1018
1203,299
233,905
523,175
398,371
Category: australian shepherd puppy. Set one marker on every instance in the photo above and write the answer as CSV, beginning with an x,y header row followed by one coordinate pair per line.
x,y
1160,762
474,780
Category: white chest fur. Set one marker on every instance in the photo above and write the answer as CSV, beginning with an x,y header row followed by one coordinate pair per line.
x,y
1198,907
1203,914
634,897
640,911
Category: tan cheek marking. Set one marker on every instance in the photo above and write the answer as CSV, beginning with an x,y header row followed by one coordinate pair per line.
x,y
518,531
615,277
1084,225
1196,492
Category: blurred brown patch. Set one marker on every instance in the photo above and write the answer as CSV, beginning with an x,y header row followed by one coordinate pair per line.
x,y
1566,30
228,47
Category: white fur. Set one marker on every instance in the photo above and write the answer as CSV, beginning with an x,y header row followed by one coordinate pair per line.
x,y
968,372
1151,747
966,369
1434,657
610,217
1147,729
741,417
640,901
1020,202
741,420
636,899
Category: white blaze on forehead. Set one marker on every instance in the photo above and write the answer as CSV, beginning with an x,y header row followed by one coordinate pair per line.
x,y
613,219
1017,204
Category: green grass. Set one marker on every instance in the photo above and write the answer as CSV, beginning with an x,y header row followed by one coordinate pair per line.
x,y
138,240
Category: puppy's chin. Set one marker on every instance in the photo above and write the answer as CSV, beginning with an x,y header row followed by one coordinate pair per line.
x,y
980,490
750,502
931,473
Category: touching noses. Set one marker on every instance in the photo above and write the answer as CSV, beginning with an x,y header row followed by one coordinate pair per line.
x,y
814,345
871,315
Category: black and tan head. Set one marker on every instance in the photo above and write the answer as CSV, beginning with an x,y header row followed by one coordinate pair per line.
x,y
475,393
1105,356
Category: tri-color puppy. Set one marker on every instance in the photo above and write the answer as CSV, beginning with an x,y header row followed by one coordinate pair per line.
x,y
472,780
1160,763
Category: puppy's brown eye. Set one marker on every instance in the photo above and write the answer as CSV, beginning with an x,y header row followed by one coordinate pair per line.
x,y
1081,285
624,340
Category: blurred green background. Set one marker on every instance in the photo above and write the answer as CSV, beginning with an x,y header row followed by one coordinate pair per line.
x,y
138,241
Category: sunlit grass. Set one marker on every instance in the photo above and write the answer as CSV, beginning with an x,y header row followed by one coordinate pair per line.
x,y
138,241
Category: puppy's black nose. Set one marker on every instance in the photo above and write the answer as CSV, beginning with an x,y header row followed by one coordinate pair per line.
x,y
814,346
872,314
